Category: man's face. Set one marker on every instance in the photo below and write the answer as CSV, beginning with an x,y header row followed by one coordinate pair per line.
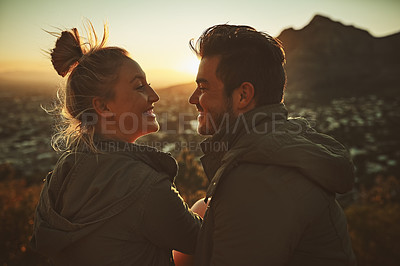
x,y
210,99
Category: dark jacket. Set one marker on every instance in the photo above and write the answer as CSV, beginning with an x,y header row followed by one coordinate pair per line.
x,y
272,191
115,208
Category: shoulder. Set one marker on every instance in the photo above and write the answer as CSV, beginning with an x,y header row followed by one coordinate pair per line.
x,y
271,185
253,179
115,169
123,164
266,200
116,179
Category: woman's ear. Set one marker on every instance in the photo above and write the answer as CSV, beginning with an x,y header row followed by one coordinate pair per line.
x,y
101,108
244,97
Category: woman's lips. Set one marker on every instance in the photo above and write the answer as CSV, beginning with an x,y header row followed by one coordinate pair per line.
x,y
150,113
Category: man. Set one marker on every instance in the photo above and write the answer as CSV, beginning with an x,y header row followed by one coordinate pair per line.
x,y
271,199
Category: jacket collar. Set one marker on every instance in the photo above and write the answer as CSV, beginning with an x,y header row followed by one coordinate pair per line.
x,y
254,121
218,149
156,159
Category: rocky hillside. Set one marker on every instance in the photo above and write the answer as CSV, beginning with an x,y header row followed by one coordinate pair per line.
x,y
329,58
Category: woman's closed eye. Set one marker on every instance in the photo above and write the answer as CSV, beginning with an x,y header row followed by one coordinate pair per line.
x,y
142,87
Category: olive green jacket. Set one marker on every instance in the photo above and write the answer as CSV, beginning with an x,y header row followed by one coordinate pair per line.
x,y
272,191
119,207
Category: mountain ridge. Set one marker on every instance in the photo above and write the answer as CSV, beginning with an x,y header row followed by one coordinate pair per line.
x,y
328,57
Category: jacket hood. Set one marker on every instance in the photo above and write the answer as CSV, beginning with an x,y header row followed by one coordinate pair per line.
x,y
87,189
267,136
317,156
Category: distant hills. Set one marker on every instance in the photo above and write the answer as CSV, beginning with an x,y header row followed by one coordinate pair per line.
x,y
329,58
324,59
184,90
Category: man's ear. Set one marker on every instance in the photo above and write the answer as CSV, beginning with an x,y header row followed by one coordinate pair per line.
x,y
244,97
101,108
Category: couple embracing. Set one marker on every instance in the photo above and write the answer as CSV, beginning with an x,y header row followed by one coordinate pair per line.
x,y
271,198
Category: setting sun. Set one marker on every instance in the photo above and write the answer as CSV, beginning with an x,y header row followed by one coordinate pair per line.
x,y
190,65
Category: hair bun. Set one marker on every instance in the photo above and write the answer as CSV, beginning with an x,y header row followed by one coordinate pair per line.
x,y
67,52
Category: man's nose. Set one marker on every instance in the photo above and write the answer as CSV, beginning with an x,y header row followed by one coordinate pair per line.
x,y
194,98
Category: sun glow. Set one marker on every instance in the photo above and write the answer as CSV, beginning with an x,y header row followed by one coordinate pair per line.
x,y
190,65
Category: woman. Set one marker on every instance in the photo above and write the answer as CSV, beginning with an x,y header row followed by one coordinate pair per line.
x,y
109,201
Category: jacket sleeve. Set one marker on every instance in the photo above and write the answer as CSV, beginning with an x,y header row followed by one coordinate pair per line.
x,y
254,222
167,221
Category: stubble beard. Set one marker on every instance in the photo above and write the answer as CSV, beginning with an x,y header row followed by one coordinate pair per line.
x,y
219,121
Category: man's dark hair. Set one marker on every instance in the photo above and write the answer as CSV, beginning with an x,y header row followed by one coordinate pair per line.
x,y
247,55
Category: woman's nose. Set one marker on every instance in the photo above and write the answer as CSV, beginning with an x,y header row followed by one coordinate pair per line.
x,y
153,96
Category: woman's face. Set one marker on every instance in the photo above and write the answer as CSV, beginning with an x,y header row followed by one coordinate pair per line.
x,y
132,105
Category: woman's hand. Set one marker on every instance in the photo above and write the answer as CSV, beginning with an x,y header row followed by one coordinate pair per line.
x,y
182,259
200,207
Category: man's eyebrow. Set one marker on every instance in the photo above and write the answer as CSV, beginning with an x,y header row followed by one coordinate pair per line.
x,y
201,80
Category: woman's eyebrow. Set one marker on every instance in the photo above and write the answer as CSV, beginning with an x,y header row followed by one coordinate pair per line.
x,y
137,76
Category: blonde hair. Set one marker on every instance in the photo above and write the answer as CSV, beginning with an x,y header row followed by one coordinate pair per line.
x,y
92,70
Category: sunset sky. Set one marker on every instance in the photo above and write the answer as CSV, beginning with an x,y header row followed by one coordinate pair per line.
x,y
156,33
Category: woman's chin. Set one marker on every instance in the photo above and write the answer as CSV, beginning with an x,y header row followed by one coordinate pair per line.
x,y
151,131
151,128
